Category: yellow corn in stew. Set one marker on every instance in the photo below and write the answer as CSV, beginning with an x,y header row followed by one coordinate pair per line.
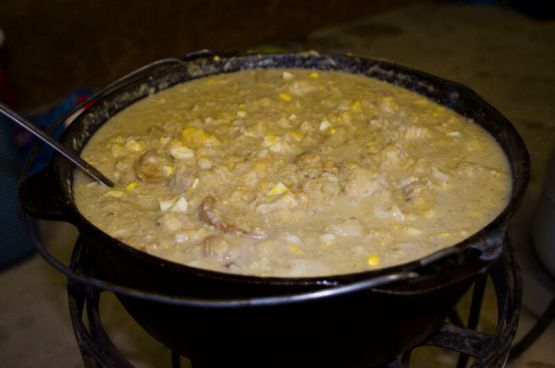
x,y
292,173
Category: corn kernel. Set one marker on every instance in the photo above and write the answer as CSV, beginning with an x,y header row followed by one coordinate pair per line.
x,y
217,58
356,106
285,96
181,152
295,250
180,205
287,76
333,131
133,145
324,125
174,205
131,186
279,188
270,139
314,75
195,137
242,105
166,205
297,135
195,183
114,193
168,170
373,260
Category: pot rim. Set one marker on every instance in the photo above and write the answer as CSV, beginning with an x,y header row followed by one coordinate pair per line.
x,y
480,241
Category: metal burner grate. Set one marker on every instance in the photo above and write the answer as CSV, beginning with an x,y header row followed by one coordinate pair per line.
x,y
488,350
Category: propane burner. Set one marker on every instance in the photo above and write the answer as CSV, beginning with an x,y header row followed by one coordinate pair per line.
x,y
486,350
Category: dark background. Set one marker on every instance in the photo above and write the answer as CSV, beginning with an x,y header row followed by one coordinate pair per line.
x,y
55,46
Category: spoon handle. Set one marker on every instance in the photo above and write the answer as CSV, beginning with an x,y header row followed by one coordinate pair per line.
x,y
71,156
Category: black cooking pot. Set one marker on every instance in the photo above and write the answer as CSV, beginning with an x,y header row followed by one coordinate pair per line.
x,y
353,320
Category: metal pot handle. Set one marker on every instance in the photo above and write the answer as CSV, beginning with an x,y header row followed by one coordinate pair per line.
x,y
38,193
75,273
490,243
132,76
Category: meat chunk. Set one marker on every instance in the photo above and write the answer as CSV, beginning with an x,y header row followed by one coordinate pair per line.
x,y
123,170
358,181
214,178
310,164
208,214
215,246
182,180
173,222
413,185
153,167
322,188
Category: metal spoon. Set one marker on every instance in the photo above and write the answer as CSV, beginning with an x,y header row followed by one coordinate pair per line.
x,y
70,155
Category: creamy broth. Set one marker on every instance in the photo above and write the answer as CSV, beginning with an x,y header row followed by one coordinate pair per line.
x,y
292,173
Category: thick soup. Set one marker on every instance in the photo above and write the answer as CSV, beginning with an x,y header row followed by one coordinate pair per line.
x,y
292,173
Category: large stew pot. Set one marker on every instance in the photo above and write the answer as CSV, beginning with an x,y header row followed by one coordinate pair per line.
x,y
355,320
